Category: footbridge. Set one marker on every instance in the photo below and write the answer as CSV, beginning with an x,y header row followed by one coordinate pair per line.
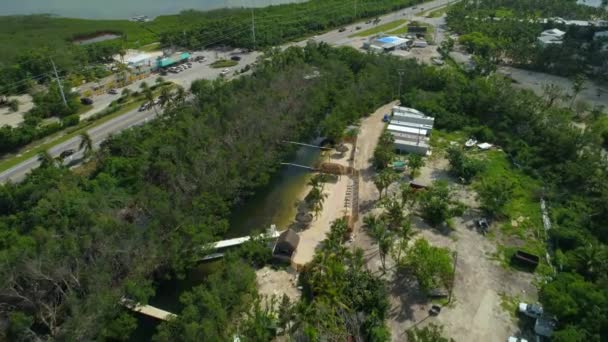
x,y
163,315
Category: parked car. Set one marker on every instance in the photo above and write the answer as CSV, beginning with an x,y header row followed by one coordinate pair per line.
x,y
526,259
236,58
66,153
531,310
86,101
435,310
113,91
515,339
358,28
225,72
342,29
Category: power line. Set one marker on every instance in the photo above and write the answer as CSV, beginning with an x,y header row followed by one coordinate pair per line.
x,y
65,102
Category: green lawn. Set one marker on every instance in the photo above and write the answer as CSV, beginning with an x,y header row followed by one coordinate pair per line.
x,y
436,13
398,31
380,28
522,221
150,47
223,63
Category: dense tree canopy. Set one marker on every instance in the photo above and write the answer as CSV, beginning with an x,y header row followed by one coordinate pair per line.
x,y
72,245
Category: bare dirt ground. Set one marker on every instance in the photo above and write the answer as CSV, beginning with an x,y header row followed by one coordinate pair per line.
x,y
475,313
277,283
13,119
334,207
593,93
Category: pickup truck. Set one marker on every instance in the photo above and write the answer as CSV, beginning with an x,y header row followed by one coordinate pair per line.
x,y
531,310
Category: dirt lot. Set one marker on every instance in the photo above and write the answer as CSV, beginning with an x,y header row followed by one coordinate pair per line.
x,y
476,312
13,119
278,283
593,93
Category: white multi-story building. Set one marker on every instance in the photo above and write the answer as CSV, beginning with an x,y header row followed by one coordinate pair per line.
x,y
411,130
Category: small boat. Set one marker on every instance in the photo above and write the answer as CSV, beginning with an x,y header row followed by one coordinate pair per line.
x,y
470,143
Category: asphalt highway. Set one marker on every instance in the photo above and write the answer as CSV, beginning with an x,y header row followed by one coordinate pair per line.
x,y
185,78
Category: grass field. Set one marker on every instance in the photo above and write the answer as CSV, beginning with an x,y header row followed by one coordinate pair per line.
x,y
380,28
436,13
398,31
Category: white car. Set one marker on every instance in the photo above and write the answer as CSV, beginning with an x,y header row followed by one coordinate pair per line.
x,y
225,72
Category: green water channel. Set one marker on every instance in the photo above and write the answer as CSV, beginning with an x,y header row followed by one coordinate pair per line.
x,y
274,203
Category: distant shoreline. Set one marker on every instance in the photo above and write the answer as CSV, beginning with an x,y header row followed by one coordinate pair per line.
x,y
129,9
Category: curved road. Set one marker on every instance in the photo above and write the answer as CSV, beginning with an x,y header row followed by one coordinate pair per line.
x,y
185,78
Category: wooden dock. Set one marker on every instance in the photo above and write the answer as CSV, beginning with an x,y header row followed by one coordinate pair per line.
x,y
241,240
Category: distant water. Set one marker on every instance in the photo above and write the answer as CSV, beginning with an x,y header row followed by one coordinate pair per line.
x,y
122,9
592,3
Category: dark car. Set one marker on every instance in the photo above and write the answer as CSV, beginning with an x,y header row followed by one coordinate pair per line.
x,y
358,28
113,91
86,101
342,29
236,58
66,153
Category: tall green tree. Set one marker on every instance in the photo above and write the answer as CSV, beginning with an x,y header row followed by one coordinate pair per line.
x,y
86,144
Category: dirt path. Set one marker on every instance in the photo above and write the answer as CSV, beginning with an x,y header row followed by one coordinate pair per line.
x,y
476,313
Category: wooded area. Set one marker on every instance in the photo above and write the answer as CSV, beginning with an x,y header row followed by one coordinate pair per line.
x,y
507,31
73,245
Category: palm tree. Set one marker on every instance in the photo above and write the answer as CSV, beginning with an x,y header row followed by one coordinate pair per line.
x,y
143,86
408,195
578,85
405,235
394,212
315,199
385,242
377,230
150,98
180,95
45,159
126,92
159,80
86,144
592,260
165,97
415,162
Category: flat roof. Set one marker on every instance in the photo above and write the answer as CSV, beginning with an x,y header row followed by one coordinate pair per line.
x,y
410,112
405,129
411,124
422,143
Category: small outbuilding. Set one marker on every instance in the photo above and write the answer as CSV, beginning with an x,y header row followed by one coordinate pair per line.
x,y
286,245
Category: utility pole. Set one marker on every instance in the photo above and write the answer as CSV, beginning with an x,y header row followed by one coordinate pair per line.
x,y
253,26
400,71
65,102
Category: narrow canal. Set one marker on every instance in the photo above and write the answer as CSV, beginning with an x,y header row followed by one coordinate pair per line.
x,y
274,203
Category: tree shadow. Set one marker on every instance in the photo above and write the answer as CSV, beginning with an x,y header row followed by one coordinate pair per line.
x,y
441,229
366,206
406,289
